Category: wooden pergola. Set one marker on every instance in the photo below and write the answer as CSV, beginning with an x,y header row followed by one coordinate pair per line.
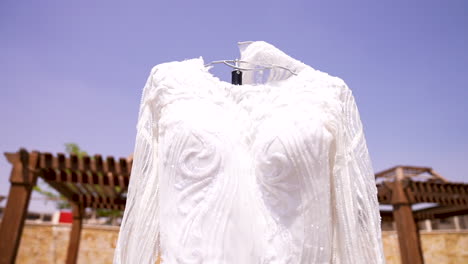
x,y
92,182
406,186
87,182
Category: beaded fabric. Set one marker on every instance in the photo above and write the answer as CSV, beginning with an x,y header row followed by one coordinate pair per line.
x,y
276,170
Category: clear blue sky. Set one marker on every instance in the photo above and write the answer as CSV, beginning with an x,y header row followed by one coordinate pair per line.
x,y
74,72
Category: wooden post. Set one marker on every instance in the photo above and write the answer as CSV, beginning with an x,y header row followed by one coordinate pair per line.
x,y
75,234
408,235
22,179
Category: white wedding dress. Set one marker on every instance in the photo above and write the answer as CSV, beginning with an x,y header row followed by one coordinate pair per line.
x,y
273,172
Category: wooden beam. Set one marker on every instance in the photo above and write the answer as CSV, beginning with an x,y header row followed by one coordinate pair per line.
x,y
85,164
75,234
85,177
440,212
407,171
447,194
89,200
408,235
384,193
22,179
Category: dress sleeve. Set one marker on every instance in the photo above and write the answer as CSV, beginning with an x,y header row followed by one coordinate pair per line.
x,y
138,240
357,232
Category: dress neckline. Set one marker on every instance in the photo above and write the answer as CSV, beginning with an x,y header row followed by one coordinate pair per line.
x,y
262,53
275,83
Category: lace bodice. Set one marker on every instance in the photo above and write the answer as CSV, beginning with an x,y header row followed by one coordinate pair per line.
x,y
271,172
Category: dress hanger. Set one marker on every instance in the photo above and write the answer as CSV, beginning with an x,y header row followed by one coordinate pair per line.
x,y
237,62
237,73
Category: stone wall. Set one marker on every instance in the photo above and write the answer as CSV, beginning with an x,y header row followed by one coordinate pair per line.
x,y
45,244
447,247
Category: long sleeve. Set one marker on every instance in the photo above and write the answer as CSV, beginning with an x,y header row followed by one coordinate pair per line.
x,y
357,235
138,240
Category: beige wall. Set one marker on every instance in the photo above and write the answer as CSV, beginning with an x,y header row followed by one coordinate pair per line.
x,y
43,243
439,247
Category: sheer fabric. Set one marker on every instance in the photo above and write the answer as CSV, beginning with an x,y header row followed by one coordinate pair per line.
x,y
273,171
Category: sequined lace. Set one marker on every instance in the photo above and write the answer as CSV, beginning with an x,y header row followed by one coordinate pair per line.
x,y
272,172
